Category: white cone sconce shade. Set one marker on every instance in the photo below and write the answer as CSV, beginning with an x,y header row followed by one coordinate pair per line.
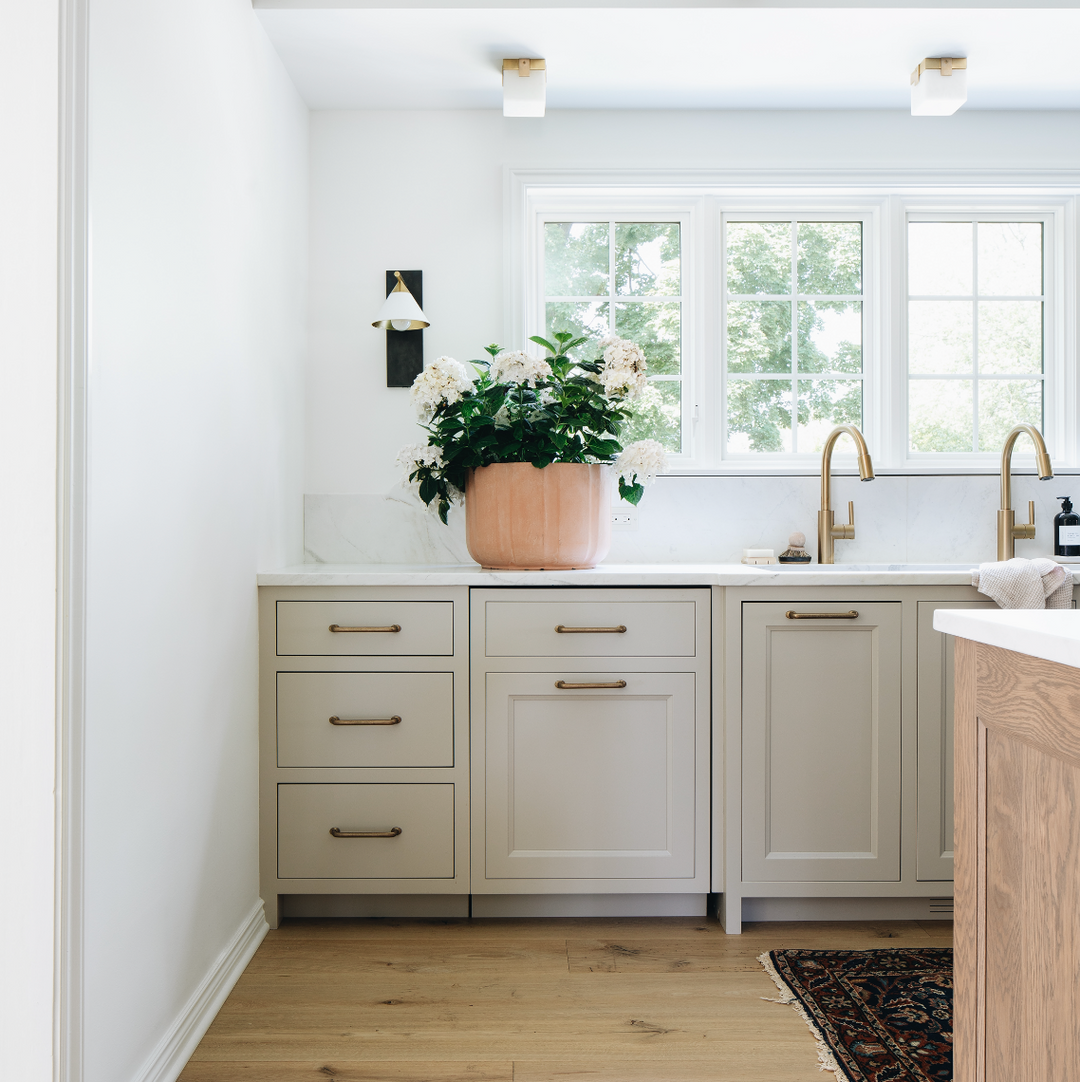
x,y
524,87
939,86
400,310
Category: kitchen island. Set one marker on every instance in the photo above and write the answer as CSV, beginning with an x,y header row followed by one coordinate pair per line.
x,y
1017,848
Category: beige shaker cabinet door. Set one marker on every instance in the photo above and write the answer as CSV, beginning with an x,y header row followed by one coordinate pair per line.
x,y
590,783
934,860
365,719
821,742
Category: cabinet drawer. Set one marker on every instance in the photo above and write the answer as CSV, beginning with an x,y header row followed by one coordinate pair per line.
x,y
422,702
424,848
423,627
588,629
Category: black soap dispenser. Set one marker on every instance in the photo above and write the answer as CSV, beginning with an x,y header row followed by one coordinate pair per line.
x,y
1066,530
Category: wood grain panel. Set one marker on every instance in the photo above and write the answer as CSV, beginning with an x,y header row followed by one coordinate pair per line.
x,y
1017,951
1032,700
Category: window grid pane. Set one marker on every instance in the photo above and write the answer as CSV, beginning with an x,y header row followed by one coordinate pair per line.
x,y
977,345
773,337
623,278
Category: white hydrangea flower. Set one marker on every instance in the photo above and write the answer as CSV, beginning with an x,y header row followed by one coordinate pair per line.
x,y
444,380
624,368
415,455
516,366
641,462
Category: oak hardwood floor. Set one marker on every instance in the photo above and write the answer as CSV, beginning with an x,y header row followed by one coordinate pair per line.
x,y
573,1000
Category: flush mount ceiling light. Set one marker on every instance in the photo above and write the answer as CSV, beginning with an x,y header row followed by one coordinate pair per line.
x,y
524,87
939,86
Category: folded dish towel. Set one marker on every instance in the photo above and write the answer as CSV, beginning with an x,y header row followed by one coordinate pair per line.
x,y
1025,584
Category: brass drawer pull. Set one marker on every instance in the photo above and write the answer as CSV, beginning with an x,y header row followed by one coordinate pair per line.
x,y
852,615
393,832
337,629
564,686
562,629
335,720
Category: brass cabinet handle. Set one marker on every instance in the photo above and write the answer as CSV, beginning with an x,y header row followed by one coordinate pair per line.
x,y
393,832
337,629
562,629
852,615
564,686
335,720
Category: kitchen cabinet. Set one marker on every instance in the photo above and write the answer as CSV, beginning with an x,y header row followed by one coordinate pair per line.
x,y
364,742
935,737
821,741
591,713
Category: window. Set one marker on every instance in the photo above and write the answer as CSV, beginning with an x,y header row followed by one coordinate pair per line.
x,y
623,278
933,319
975,316
794,331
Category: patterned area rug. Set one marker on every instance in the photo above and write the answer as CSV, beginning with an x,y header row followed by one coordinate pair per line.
x,y
879,1015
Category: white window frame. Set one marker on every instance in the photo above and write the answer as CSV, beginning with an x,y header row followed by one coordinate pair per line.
x,y
701,203
822,210
587,206
1059,440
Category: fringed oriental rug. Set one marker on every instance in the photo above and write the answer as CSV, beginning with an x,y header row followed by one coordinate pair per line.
x,y
878,1015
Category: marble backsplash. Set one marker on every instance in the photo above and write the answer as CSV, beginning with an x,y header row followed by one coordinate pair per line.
x,y
711,519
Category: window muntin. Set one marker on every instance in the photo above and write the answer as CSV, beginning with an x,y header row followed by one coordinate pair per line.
x,y
793,333
624,278
975,331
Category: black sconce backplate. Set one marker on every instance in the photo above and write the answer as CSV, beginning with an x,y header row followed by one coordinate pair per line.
x,y
405,349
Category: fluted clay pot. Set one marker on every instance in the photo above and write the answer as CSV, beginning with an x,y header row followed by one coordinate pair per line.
x,y
519,518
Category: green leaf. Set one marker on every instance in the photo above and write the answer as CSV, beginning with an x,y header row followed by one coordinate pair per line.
x,y
544,342
493,349
631,493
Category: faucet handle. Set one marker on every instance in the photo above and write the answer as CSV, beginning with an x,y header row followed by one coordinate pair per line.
x,y
1026,530
846,532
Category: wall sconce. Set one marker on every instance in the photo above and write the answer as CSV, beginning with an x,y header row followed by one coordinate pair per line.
x,y
403,320
939,86
524,87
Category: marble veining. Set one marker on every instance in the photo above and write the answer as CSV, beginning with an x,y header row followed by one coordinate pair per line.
x,y
695,519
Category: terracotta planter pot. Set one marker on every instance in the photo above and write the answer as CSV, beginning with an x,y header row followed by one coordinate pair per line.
x,y
519,518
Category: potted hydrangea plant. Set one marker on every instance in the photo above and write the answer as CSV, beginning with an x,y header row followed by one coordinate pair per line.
x,y
530,445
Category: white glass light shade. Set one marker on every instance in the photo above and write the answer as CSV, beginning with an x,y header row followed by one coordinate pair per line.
x,y
400,311
524,95
939,95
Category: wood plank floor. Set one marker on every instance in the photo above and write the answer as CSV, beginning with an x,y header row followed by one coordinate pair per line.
x,y
628,1000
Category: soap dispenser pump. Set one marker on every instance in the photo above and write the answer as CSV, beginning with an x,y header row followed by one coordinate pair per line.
x,y
1066,530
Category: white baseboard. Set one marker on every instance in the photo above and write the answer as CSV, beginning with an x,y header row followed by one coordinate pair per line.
x,y
175,1048
589,905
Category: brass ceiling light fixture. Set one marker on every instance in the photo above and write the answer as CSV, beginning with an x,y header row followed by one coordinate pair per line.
x,y
939,86
524,87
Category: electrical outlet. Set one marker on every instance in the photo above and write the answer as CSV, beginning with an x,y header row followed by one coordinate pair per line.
x,y
624,518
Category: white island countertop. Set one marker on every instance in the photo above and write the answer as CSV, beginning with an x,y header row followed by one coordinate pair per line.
x,y
814,574
1050,634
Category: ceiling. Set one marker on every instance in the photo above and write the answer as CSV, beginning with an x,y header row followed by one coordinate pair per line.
x,y
444,56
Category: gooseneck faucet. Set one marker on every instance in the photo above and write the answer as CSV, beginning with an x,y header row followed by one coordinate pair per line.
x,y
826,531
1007,530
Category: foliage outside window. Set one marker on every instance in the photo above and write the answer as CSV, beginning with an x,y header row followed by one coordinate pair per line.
x,y
606,278
975,333
794,332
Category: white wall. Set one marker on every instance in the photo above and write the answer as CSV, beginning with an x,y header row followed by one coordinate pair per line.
x,y
425,190
28,245
198,200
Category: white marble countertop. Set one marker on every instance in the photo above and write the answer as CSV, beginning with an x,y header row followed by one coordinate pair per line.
x,y
623,575
1050,634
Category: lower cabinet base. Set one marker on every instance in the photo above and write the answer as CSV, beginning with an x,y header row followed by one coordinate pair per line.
x,y
443,906
589,905
763,909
